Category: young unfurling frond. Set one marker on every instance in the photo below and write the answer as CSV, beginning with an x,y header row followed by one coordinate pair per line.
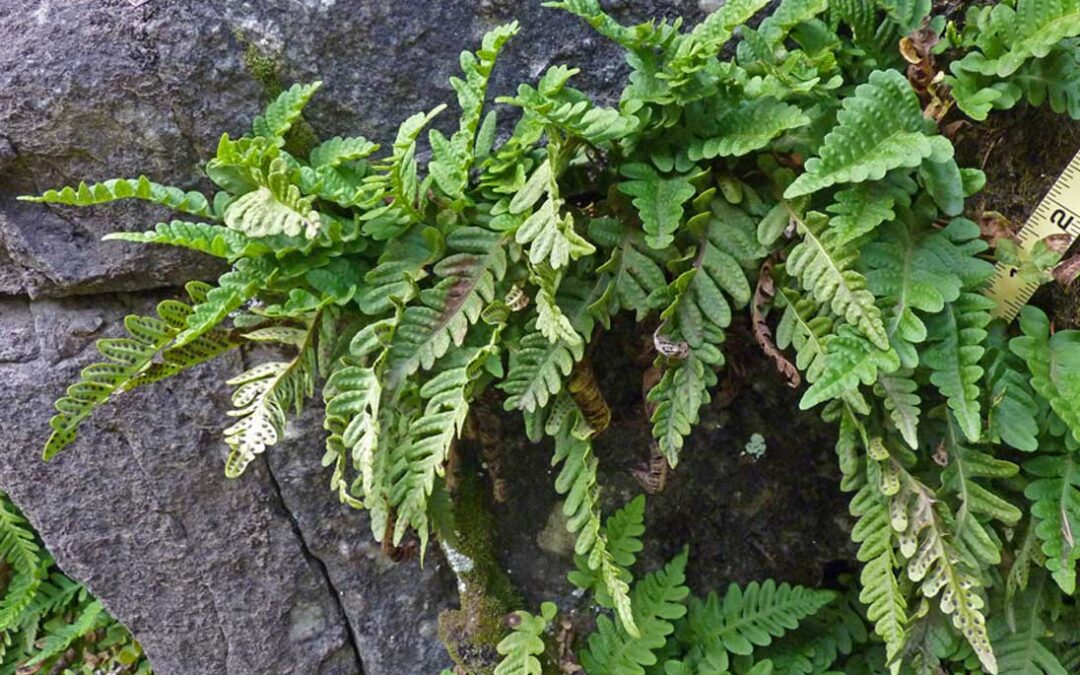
x,y
520,648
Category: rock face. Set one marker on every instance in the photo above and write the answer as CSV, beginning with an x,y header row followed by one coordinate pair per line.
x,y
269,574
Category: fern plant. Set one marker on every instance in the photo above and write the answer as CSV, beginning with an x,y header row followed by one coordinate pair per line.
x,y
792,174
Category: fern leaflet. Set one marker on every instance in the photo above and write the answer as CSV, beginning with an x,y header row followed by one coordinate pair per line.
x,y
878,129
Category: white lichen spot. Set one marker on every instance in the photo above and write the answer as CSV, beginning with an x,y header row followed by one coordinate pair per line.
x,y
460,563
755,447
41,14
710,5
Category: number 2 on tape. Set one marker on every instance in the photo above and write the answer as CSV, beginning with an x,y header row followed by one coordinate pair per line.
x,y
1058,213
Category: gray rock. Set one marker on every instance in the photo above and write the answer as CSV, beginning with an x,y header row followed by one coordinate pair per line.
x,y
209,573
96,89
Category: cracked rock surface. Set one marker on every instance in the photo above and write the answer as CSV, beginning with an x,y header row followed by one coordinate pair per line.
x,y
269,573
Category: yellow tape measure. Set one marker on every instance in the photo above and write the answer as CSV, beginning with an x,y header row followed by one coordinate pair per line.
x,y
1057,213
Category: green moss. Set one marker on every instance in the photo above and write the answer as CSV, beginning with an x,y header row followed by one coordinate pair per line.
x,y
486,594
264,68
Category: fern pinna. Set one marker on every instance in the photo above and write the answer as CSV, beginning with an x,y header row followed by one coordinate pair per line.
x,y
800,157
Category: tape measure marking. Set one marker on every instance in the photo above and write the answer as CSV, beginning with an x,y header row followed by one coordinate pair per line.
x,y
1057,213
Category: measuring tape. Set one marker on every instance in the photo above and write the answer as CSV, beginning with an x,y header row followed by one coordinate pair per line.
x,y
1058,213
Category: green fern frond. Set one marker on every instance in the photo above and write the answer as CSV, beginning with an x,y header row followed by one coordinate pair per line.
x,y
1054,491
453,158
899,393
577,482
679,396
787,15
658,199
696,50
806,328
215,240
20,552
520,648
402,177
403,263
552,323
537,370
850,359
835,631
275,208
549,234
601,22
1022,648
234,288
637,279
1054,79
623,530
746,128
569,111
1054,363
283,112
979,504
886,605
956,336
422,457
133,361
353,396
445,313
657,601
262,396
699,308
62,634
1014,34
878,129
752,617
914,271
141,188
858,211
935,564
1012,405
337,151
176,358
826,271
